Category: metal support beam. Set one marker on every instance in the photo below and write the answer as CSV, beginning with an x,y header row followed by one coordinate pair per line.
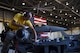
x,y
67,7
8,8
28,3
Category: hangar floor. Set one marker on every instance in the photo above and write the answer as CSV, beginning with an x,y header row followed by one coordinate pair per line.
x,y
10,50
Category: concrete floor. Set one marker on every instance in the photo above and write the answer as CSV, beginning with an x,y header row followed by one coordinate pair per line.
x,y
0,49
10,50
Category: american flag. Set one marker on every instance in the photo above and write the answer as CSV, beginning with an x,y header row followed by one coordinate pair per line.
x,y
38,20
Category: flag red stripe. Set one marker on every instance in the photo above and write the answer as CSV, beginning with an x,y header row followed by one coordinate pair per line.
x,y
37,20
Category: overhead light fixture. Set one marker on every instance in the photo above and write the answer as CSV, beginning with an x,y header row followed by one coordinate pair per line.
x,y
60,22
52,20
72,22
70,16
54,8
56,16
45,3
44,12
40,1
67,3
56,21
33,14
60,11
34,8
41,17
47,18
61,18
13,8
76,10
65,13
50,2
50,14
74,17
65,19
66,24
72,7
63,23
23,3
